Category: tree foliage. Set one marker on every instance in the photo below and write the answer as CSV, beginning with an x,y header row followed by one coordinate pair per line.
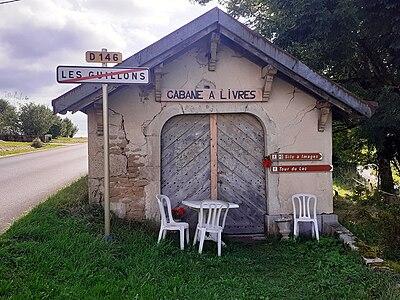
x,y
68,129
35,119
353,42
56,127
8,118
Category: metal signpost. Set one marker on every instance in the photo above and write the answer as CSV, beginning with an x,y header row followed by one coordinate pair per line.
x,y
103,75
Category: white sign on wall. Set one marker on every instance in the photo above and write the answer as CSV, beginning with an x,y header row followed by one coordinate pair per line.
x,y
219,95
81,74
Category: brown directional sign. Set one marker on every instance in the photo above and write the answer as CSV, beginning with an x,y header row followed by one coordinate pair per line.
x,y
103,57
299,169
295,156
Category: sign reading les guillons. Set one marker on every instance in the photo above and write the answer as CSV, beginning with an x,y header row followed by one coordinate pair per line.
x,y
81,74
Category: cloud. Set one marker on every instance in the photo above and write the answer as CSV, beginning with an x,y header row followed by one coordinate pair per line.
x,y
37,35
19,79
32,42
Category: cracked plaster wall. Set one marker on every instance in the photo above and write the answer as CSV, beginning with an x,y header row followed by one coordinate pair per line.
x,y
289,119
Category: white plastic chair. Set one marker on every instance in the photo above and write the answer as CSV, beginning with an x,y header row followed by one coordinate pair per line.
x,y
168,223
210,222
305,210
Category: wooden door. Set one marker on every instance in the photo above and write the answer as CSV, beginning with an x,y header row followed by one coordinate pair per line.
x,y
241,176
185,160
218,159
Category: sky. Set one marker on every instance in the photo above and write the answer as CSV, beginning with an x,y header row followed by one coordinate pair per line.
x,y
38,35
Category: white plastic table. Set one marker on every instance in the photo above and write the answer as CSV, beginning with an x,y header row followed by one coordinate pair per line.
x,y
197,204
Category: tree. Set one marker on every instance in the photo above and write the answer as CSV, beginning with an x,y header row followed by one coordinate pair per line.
x,y
35,119
68,128
353,42
8,118
56,127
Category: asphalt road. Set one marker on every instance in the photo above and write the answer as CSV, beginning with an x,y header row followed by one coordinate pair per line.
x,y
28,179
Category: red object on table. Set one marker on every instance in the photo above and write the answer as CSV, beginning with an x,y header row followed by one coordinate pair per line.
x,y
178,212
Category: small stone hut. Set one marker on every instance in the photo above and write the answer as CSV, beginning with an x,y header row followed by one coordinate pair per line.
x,y
221,99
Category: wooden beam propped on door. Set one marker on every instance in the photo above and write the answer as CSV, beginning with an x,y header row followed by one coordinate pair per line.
x,y
214,156
212,61
267,73
157,81
324,109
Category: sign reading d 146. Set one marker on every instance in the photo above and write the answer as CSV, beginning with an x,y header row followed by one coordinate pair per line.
x,y
103,57
72,74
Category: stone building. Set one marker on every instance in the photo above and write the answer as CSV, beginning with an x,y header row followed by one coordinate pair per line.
x,y
221,99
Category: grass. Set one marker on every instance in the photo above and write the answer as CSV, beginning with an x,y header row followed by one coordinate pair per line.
x,y
57,251
11,148
68,140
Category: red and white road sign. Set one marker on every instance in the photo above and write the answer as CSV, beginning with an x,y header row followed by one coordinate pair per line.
x,y
72,74
303,168
296,156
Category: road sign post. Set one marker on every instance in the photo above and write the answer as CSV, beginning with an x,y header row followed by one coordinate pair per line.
x,y
107,223
104,75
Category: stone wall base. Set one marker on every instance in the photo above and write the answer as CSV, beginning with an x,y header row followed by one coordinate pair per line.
x,y
324,220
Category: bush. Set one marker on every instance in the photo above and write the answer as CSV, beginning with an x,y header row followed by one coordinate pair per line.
x,y
390,230
375,220
37,143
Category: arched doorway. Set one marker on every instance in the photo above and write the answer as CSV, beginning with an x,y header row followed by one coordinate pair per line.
x,y
191,168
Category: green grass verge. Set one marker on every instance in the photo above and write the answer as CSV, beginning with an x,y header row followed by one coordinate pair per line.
x,y
11,148
57,251
68,140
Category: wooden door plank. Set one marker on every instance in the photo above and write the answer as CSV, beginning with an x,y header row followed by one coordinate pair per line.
x,y
257,179
241,139
241,175
239,157
187,152
237,120
244,187
185,160
172,133
173,173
